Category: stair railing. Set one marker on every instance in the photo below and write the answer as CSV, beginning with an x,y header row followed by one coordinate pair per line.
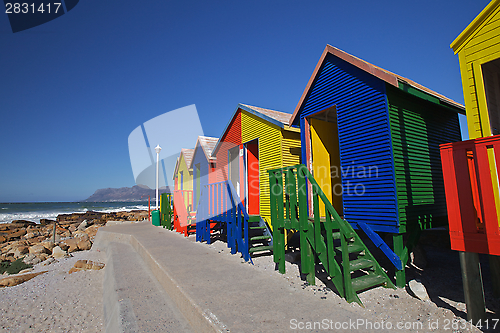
x,y
289,210
219,202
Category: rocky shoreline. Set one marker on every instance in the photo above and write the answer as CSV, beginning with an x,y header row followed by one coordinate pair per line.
x,y
34,243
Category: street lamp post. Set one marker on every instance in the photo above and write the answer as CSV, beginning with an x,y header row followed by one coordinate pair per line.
x,y
157,149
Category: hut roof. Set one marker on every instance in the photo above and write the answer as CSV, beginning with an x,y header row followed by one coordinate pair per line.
x,y
207,143
277,118
382,74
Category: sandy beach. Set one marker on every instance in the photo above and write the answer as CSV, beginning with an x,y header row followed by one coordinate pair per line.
x,y
56,301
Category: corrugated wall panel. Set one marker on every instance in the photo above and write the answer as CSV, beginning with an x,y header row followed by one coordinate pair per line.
x,y
369,191
229,139
291,147
199,158
418,128
270,157
484,45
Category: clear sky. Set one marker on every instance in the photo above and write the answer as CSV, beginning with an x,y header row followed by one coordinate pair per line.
x,y
73,89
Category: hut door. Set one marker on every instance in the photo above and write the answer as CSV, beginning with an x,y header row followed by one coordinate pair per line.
x,y
252,177
326,159
234,167
198,184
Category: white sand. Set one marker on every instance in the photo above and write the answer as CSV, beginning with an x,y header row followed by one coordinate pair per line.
x,y
56,301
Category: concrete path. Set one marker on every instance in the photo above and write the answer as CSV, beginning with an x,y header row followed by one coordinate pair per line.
x,y
213,294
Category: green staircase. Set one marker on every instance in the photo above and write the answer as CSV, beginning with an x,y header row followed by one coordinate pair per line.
x,y
329,240
259,235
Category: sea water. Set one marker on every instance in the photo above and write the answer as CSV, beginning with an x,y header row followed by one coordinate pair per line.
x,y
34,211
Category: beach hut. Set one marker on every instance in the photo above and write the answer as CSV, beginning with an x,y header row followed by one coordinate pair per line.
x,y
203,166
470,167
371,140
254,140
183,191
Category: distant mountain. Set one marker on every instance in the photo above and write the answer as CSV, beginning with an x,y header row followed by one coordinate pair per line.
x,y
123,194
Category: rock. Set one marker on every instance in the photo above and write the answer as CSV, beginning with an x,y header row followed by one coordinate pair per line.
x,y
22,223
49,261
32,234
92,230
46,221
48,245
63,246
81,235
3,239
86,265
82,225
38,249
18,279
31,259
83,244
72,244
26,270
418,290
16,234
58,253
19,251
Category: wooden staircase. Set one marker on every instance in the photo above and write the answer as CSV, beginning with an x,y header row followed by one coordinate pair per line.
x,y
260,236
329,240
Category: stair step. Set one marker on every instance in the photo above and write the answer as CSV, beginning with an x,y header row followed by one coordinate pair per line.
x,y
254,218
336,235
367,281
259,227
260,248
259,237
351,248
360,264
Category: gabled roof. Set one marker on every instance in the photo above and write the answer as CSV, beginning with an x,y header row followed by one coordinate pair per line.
x,y
382,74
278,118
188,156
207,144
472,28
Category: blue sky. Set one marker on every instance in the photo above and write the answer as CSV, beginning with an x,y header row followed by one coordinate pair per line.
x,y
73,89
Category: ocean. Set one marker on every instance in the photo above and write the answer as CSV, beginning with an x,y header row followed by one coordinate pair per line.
x,y
34,211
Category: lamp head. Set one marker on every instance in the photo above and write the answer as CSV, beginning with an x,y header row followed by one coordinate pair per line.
x,y
157,149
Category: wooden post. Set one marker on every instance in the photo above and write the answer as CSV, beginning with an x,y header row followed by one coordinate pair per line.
x,y
473,286
54,234
400,250
495,274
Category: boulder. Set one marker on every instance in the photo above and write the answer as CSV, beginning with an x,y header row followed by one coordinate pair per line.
x,y
92,230
82,226
86,265
18,279
32,234
72,244
48,245
19,251
16,234
3,239
31,259
46,221
22,223
84,244
38,249
418,290
58,253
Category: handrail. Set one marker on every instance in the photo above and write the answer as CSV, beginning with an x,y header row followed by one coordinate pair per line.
x,y
219,202
317,236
